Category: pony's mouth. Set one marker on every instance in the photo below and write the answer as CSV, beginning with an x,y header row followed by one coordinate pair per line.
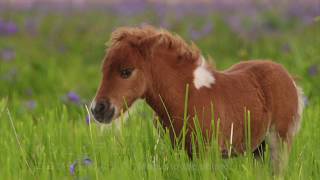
x,y
112,113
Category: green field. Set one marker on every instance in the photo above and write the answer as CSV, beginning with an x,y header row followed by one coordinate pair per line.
x,y
43,128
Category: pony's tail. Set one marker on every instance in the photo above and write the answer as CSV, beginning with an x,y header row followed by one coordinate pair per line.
x,y
300,106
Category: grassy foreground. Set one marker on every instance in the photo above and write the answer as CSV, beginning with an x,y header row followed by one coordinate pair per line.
x,y
56,70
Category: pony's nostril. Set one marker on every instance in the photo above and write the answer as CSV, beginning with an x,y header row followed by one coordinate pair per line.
x,y
101,107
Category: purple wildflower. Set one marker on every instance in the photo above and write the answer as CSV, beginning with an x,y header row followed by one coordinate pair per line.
x,y
84,162
7,54
88,119
11,28
73,97
73,168
313,70
87,161
305,100
129,8
8,28
31,104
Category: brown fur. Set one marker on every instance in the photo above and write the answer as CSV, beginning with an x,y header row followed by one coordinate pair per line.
x,y
163,67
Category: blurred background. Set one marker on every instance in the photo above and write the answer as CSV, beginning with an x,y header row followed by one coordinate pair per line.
x,y
51,50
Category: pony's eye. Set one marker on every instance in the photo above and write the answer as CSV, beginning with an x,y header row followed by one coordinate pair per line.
x,y
126,73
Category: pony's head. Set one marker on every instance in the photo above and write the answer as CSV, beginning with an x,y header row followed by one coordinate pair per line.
x,y
127,68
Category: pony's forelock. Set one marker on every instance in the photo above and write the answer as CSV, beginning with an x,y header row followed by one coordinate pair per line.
x,y
147,37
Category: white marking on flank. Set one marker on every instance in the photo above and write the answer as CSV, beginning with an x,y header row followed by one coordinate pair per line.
x,y
202,76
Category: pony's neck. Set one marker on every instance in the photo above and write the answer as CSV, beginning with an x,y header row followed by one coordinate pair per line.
x,y
166,92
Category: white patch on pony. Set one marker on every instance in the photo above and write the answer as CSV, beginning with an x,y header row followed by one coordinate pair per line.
x,y
202,76
123,117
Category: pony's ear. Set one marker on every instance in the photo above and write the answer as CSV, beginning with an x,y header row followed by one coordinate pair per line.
x,y
146,45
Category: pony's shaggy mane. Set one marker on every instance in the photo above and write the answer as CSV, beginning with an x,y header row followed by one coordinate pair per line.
x,y
146,38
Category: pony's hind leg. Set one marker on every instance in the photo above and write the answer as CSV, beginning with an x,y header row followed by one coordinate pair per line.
x,y
279,151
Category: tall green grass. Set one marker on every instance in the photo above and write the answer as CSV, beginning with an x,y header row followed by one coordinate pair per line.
x,y
46,147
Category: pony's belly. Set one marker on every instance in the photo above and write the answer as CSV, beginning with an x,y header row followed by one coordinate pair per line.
x,y
235,125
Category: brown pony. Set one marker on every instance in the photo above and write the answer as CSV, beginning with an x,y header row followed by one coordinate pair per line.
x,y
155,65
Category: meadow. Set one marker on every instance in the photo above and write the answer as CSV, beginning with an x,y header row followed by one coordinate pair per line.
x,y
50,69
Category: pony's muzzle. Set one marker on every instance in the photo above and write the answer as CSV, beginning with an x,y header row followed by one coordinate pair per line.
x,y
102,111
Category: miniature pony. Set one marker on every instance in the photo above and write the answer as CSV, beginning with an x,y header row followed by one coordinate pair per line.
x,y
155,65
